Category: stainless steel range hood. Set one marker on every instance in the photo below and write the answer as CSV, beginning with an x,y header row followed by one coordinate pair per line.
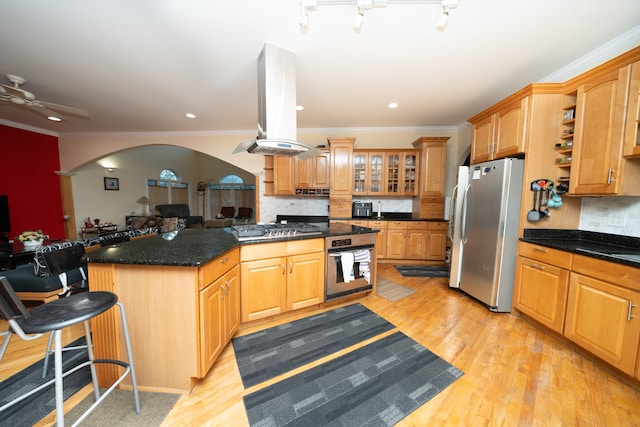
x,y
277,124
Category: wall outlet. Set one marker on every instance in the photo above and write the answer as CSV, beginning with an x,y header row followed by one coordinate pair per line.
x,y
617,219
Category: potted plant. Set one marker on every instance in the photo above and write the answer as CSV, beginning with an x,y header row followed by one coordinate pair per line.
x,y
31,239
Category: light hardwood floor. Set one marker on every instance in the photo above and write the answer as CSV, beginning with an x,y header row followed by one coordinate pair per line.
x,y
515,374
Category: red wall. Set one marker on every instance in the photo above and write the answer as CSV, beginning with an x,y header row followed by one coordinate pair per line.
x,y
27,176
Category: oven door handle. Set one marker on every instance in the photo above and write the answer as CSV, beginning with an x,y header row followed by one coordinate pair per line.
x,y
331,251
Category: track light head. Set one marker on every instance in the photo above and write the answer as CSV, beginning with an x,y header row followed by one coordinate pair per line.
x,y
358,20
304,19
443,19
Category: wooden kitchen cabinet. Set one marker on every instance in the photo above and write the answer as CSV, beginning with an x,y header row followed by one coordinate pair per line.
x,y
500,131
219,316
381,237
541,284
283,182
401,173
602,310
436,241
180,317
368,173
312,172
596,165
430,201
632,128
281,276
408,240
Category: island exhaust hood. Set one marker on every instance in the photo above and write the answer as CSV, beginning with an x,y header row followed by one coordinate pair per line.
x,y
277,124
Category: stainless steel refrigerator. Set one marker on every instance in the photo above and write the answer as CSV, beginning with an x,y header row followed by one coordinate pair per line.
x,y
490,205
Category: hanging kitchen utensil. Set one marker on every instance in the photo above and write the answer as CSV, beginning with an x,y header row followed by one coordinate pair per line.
x,y
534,214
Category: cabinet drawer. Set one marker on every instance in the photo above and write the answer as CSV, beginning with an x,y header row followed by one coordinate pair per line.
x,y
620,274
397,225
437,225
296,247
379,225
216,268
262,251
417,225
551,256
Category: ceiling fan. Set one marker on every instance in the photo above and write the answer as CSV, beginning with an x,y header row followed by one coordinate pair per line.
x,y
22,97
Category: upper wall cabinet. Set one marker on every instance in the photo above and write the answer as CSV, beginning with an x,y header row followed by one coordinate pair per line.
x,y
385,173
632,128
606,127
500,131
312,173
433,154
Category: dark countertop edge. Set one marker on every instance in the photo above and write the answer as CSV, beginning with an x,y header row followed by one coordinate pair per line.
x,y
384,218
213,250
586,243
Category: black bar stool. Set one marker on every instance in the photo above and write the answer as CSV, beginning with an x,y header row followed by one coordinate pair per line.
x,y
53,317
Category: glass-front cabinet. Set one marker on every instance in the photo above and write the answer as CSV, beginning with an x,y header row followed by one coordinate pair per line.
x,y
376,173
385,172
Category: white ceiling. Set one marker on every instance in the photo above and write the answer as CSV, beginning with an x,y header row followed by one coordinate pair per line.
x,y
141,65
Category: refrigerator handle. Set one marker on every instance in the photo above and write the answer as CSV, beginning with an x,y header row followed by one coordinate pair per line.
x,y
452,212
465,198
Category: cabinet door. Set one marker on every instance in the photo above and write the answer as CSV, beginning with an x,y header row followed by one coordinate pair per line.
x,y
360,172
231,302
482,140
263,288
375,174
212,339
409,175
436,245
603,318
416,244
303,172
433,169
320,169
392,174
396,239
305,280
510,128
540,291
283,175
381,238
341,171
597,141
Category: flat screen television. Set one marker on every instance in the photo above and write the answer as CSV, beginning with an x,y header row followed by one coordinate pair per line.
x,y
5,225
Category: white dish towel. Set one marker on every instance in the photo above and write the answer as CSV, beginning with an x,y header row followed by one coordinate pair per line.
x,y
347,266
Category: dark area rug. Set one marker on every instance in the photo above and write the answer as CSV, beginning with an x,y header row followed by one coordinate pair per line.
x,y
423,270
34,408
376,385
268,353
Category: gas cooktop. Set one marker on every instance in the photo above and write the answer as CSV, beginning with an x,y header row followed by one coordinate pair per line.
x,y
274,231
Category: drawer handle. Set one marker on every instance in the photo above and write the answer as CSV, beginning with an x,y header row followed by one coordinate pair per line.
x,y
536,266
631,305
539,249
225,259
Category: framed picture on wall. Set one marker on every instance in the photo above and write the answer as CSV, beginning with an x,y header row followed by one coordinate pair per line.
x,y
111,184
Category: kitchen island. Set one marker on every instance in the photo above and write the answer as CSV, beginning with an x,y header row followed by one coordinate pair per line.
x,y
182,294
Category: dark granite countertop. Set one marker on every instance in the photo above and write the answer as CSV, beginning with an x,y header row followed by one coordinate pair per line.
x,y
389,216
608,247
195,247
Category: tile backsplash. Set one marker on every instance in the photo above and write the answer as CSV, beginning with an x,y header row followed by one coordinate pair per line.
x,y
613,215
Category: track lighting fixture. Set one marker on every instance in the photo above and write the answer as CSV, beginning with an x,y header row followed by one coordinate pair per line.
x,y
358,20
362,5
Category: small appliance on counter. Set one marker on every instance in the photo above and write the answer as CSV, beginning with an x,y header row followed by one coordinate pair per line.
x,y
362,210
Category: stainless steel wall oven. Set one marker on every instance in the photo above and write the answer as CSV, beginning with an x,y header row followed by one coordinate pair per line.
x,y
350,266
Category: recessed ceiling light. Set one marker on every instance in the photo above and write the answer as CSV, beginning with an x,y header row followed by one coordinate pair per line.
x,y
299,107
393,105
190,115
54,119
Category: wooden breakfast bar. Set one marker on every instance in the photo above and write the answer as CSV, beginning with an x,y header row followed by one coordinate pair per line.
x,y
169,288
